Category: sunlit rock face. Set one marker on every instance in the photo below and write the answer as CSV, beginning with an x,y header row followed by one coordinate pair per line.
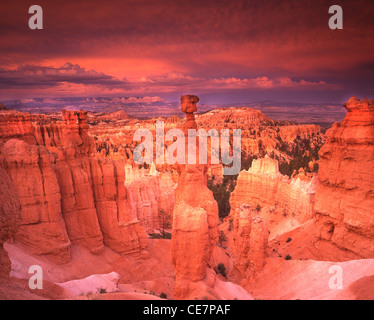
x,y
258,132
42,226
265,203
14,124
151,196
345,193
289,133
68,193
263,185
195,220
121,229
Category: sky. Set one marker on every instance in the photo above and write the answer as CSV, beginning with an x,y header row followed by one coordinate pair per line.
x,y
223,51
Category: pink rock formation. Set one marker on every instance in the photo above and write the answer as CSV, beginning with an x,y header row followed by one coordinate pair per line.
x,y
9,219
42,226
117,115
289,133
151,196
195,221
68,194
121,229
236,116
73,146
14,124
249,242
345,193
264,185
259,133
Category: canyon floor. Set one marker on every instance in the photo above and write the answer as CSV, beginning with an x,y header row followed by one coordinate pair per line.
x,y
303,279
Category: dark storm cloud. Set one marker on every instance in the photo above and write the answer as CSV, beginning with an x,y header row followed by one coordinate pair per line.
x,y
39,76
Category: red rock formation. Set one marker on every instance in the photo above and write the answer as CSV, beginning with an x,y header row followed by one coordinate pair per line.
x,y
195,221
264,185
68,194
42,226
259,134
114,118
345,193
120,227
290,133
151,196
14,124
249,242
235,116
9,218
73,147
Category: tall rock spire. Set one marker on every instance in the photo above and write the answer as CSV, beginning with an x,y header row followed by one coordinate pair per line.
x,y
195,220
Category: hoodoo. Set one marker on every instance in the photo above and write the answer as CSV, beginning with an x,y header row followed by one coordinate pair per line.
x,y
345,192
195,220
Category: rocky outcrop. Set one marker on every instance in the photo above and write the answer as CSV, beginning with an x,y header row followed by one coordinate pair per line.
x,y
195,220
250,238
263,185
290,133
9,219
73,146
151,196
120,227
261,135
14,124
344,201
236,116
68,193
42,227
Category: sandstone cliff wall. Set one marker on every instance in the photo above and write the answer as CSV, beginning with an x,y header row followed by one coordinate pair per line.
x,y
250,238
344,201
264,185
9,219
68,194
151,197
42,227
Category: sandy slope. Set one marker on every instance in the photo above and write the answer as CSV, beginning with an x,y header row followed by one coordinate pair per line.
x,y
296,279
148,275
142,276
147,267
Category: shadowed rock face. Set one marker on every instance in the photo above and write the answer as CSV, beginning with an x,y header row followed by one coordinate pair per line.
x,y
9,218
344,200
249,241
195,220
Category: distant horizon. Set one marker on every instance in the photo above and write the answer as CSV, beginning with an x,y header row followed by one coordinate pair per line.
x,y
152,107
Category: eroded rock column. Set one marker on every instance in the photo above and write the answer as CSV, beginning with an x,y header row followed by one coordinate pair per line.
x,y
250,241
195,219
344,200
